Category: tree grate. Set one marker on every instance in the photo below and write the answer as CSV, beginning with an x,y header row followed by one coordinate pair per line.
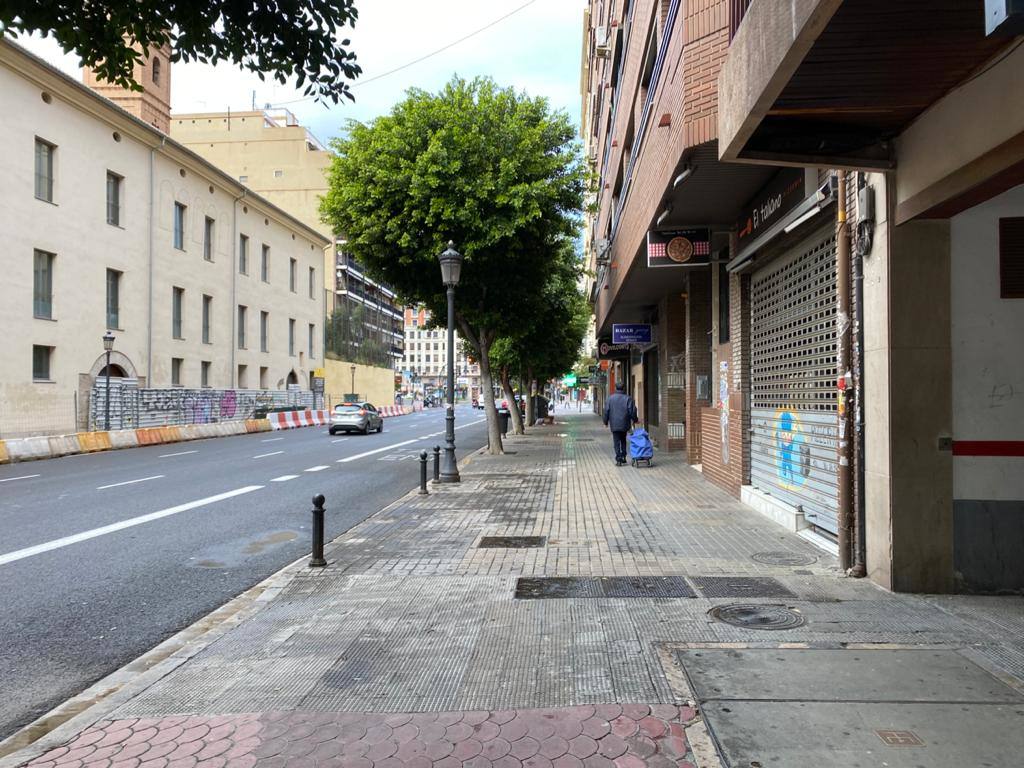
x,y
532,588
512,542
740,586
783,558
751,616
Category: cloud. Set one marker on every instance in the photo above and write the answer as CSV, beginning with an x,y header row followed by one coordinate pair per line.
x,y
537,50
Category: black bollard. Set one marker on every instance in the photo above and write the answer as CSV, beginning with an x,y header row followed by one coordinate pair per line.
x,y
437,463
317,560
423,473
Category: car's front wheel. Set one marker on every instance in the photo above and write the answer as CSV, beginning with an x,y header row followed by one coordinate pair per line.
x,y
332,431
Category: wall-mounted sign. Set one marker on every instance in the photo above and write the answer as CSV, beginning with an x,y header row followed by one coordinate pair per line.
x,y
679,248
775,199
631,333
608,351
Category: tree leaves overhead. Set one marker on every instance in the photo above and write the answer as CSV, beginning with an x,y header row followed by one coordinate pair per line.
x,y
284,39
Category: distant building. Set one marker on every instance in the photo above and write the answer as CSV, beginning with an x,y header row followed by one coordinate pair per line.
x,y
270,152
109,224
424,367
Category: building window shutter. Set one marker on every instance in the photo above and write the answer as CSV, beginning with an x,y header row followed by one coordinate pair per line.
x,y
1011,258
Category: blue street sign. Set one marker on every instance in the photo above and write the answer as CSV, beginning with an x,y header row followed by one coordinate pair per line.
x,y
631,333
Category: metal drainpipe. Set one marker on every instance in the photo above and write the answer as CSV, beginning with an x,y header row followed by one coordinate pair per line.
x,y
152,228
860,545
843,296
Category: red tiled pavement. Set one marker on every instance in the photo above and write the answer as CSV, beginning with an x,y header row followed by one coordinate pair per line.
x,y
606,736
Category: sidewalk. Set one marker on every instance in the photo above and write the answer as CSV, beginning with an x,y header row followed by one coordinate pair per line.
x,y
595,645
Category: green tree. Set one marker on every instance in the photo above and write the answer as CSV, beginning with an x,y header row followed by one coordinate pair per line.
x,y
493,170
297,39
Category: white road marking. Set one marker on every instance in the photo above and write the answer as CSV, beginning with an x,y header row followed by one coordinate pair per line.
x,y
179,453
340,440
21,477
66,541
377,450
320,468
264,455
128,482
271,439
283,478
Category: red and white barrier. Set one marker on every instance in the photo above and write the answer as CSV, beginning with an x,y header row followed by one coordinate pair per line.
x,y
294,419
394,410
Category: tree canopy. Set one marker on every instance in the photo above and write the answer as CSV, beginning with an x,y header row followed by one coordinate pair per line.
x,y
494,170
296,39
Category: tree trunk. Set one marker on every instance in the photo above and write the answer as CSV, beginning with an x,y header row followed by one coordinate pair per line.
x,y
515,415
487,385
531,413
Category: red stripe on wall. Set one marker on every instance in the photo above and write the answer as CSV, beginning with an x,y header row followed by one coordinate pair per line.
x,y
988,447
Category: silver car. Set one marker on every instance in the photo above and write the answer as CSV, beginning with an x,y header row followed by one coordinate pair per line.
x,y
356,417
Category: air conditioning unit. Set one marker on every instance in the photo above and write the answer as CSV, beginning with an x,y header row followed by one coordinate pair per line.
x,y
602,46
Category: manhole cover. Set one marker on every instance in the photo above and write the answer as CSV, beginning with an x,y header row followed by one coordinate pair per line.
x,y
783,558
609,586
757,616
511,542
740,586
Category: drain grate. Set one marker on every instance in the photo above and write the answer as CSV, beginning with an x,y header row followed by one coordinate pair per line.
x,y
740,586
783,558
512,542
528,588
750,616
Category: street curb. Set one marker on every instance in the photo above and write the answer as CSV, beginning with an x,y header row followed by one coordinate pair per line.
x,y
67,720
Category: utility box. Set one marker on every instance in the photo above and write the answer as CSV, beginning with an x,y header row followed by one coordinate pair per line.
x,y
1004,17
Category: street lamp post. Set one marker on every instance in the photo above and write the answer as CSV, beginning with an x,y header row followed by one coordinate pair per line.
x,y
353,388
451,268
108,346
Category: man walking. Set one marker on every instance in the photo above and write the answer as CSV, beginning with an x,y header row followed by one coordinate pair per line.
x,y
620,416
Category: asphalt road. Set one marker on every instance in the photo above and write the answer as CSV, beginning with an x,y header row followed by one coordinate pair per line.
x,y
103,556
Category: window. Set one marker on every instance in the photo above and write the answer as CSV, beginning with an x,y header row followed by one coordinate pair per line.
x,y
113,298
42,285
177,299
156,69
264,326
723,304
278,174
208,239
113,199
204,373
44,170
312,335
291,337
176,371
243,179
241,327
291,274
1011,257
312,282
265,264
41,362
207,312
243,377
179,226
243,254
263,376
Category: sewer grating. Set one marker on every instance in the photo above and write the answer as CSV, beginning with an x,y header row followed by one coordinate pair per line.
x,y
751,616
511,542
740,586
610,586
783,558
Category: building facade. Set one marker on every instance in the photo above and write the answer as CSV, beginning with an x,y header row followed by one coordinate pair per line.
x,y
270,152
112,225
830,281
424,370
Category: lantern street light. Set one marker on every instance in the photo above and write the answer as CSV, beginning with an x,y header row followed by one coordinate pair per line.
x,y
108,346
451,270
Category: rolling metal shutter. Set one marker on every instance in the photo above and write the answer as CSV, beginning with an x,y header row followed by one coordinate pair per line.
x,y
794,422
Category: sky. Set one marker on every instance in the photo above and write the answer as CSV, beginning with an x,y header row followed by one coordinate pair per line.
x,y
537,49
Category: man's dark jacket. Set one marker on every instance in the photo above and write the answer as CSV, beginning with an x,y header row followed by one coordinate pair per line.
x,y
620,412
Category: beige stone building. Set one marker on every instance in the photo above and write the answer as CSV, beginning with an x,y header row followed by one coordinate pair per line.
x,y
110,224
424,367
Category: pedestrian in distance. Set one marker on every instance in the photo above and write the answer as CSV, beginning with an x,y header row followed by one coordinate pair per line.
x,y
620,416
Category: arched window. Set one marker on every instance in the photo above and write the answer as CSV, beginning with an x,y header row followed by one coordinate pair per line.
x,y
156,69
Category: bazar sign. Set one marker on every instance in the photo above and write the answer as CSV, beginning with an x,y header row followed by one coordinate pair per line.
x,y
631,333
